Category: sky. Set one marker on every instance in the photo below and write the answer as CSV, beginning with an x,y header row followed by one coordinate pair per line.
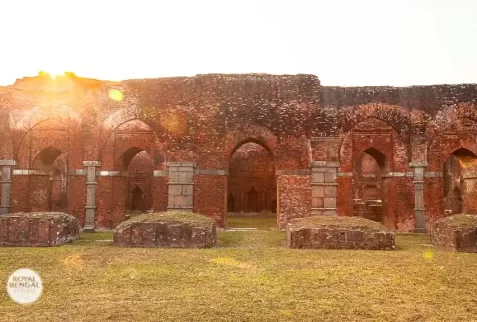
x,y
344,43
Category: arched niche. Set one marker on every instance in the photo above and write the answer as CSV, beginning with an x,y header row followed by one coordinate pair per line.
x,y
368,186
252,186
48,181
459,182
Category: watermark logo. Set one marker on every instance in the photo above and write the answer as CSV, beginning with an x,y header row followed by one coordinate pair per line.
x,y
24,286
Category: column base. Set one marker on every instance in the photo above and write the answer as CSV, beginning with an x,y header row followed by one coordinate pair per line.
x,y
323,212
89,229
188,209
420,230
4,210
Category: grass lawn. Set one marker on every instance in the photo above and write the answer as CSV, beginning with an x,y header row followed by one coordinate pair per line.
x,y
265,221
249,276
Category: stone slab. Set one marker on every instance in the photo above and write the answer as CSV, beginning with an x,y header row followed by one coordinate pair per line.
x,y
456,233
339,237
38,229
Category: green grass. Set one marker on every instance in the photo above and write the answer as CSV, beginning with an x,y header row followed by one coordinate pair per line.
x,y
259,220
249,276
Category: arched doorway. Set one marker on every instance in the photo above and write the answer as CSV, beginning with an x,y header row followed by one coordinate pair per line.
x,y
137,200
137,173
230,203
368,188
252,197
252,186
458,179
48,181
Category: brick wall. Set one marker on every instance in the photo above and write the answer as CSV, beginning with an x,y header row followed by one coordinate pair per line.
x,y
204,119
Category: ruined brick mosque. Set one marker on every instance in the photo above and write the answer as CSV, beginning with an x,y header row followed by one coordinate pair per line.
x,y
218,144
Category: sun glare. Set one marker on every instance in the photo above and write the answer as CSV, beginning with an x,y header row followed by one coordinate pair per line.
x,y
53,72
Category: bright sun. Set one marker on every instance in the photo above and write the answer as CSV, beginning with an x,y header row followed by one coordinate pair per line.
x,y
54,72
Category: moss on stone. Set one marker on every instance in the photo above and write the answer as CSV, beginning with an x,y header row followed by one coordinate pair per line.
x,y
461,220
42,215
336,221
170,217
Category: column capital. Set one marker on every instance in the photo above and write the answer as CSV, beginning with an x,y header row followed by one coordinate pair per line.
x,y
92,163
181,164
325,164
418,164
8,163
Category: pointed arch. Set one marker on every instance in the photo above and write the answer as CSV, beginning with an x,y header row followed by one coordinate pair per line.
x,y
126,157
251,140
249,133
393,115
134,133
371,129
24,151
47,156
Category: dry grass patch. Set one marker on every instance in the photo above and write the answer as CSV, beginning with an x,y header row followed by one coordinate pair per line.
x,y
250,276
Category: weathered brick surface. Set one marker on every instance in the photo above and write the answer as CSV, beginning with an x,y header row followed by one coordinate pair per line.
x,y
38,229
162,234
251,181
457,232
294,198
53,126
330,236
208,188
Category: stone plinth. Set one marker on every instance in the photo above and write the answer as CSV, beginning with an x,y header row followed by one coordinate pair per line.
x,y
330,232
456,233
38,229
169,229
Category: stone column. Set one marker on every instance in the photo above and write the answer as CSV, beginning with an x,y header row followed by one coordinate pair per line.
x,y
91,184
323,187
419,211
6,185
181,186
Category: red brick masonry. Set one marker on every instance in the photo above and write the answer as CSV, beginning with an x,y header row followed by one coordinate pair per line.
x,y
38,229
458,233
336,236
404,156
162,234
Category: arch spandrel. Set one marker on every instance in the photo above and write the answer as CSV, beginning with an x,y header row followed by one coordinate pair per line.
x,y
374,133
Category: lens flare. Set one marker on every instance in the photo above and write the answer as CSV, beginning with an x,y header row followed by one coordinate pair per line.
x,y
116,95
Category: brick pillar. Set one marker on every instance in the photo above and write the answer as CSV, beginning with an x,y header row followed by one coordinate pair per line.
x,y
6,185
419,210
181,186
469,189
91,183
323,187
